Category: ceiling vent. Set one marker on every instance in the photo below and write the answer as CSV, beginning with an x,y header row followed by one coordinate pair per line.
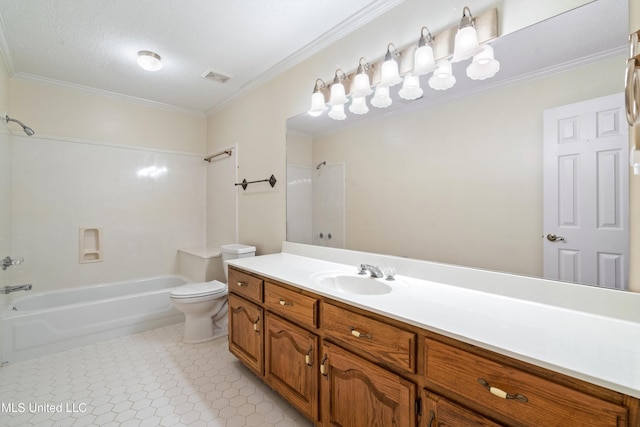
x,y
216,76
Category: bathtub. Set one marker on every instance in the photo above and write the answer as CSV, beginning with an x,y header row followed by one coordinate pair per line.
x,y
44,323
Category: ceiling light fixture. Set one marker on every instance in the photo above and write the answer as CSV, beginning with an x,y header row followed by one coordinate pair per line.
x,y
434,53
149,61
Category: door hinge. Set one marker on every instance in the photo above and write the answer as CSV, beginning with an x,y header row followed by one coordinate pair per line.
x,y
418,406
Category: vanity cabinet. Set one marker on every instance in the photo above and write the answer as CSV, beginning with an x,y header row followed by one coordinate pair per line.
x,y
439,412
291,366
345,366
356,392
246,322
390,345
524,398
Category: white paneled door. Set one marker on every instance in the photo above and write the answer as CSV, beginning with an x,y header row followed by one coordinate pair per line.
x,y
586,204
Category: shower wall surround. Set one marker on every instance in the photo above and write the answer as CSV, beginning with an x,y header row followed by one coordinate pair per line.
x,y
5,203
147,202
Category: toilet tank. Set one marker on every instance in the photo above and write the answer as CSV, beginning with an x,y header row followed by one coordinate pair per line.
x,y
235,251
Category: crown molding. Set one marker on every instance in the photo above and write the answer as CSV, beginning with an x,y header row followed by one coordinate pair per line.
x,y
104,93
330,37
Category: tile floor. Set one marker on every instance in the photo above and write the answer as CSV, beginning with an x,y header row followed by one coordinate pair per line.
x,y
146,379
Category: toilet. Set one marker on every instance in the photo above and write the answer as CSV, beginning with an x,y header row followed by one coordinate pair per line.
x,y
205,304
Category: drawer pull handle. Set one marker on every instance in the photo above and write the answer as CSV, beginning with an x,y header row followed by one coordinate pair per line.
x,y
284,303
360,334
242,284
255,326
323,371
501,393
307,357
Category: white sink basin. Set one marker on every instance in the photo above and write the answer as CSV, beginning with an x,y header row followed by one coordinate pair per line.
x,y
353,283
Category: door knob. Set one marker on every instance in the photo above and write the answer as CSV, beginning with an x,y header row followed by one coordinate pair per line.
x,y
554,238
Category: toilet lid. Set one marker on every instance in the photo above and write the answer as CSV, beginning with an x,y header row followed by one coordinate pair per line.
x,y
193,290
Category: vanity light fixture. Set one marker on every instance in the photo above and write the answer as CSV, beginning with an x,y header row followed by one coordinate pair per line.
x,y
466,41
434,53
423,60
484,65
337,112
361,88
390,73
410,88
149,61
381,98
442,77
359,105
361,83
318,105
338,96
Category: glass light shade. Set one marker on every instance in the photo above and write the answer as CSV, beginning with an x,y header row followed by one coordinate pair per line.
x,y
423,60
337,112
359,105
149,61
410,88
317,104
466,44
381,98
390,76
484,65
442,77
361,86
338,97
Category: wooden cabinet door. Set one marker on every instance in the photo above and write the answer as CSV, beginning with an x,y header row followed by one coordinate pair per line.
x,y
246,332
438,412
357,393
291,367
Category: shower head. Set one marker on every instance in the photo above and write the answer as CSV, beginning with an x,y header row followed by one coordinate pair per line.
x,y
25,128
321,164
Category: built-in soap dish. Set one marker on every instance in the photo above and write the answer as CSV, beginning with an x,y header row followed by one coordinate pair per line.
x,y
90,244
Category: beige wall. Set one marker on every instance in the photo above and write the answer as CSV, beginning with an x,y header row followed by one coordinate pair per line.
x,y
67,113
256,121
634,185
460,182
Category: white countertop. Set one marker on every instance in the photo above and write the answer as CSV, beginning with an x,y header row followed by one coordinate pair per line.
x,y
584,344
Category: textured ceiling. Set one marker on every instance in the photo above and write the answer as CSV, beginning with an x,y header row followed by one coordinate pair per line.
x,y
94,43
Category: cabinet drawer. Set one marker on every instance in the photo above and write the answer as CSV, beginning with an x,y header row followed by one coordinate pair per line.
x,y
245,284
391,345
291,304
526,399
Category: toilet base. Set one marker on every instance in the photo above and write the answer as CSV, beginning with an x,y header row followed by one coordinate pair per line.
x,y
201,330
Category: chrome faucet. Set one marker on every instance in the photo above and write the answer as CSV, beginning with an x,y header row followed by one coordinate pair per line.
x,y
375,271
8,262
9,289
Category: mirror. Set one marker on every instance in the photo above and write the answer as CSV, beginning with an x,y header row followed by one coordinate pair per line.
x,y
454,177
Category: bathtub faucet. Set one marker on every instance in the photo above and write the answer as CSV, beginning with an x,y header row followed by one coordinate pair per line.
x,y
8,262
9,289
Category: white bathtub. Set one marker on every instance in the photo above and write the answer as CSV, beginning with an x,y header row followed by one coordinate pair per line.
x,y
44,323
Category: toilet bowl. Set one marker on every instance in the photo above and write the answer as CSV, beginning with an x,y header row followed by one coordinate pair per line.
x,y
205,304
203,307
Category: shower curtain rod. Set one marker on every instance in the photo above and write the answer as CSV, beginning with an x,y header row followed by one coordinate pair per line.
x,y
227,152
